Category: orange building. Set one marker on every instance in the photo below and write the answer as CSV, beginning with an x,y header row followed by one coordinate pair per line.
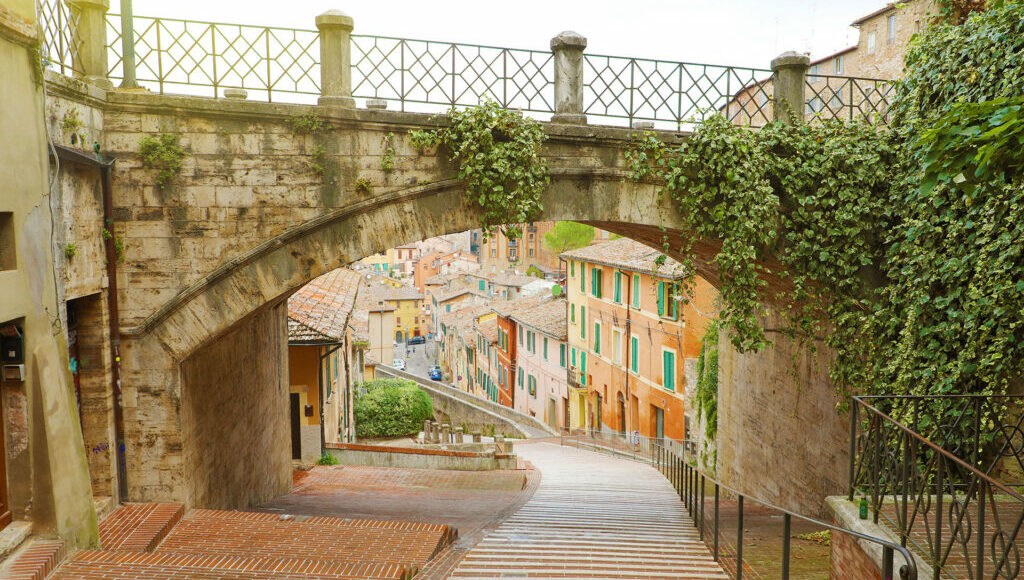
x,y
630,333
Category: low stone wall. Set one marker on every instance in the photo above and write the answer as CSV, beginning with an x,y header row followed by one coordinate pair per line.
x,y
416,458
861,559
458,408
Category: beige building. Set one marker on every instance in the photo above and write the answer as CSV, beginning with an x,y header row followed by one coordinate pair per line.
x,y
499,253
44,471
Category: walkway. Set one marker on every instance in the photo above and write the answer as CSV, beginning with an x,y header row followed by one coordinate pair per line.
x,y
592,517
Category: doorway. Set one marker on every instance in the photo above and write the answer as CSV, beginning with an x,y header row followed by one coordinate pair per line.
x,y
296,414
622,414
659,423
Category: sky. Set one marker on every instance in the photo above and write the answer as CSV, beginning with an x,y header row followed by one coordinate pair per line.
x,y
730,32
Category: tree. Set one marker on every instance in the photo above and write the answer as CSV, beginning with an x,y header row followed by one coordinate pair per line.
x,y
568,236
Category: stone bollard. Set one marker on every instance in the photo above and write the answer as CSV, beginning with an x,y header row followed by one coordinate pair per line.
x,y
91,58
790,70
435,432
335,59
499,445
568,54
446,433
426,430
459,433
478,437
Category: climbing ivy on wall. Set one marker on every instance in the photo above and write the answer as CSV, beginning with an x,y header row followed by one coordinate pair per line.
x,y
498,154
903,248
706,394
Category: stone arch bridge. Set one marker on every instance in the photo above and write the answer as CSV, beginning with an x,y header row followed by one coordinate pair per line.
x,y
260,208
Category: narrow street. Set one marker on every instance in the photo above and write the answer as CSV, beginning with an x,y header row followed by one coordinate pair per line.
x,y
592,517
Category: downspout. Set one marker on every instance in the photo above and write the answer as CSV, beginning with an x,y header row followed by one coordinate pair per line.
x,y
107,184
629,347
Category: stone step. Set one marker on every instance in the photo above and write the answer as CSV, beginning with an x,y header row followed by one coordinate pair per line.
x,y
35,560
139,527
100,565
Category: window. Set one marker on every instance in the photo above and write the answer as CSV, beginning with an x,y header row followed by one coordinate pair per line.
x,y
545,348
661,298
583,321
668,370
583,280
520,336
597,337
520,378
447,307
561,355
617,346
398,319
531,252
8,257
533,386
634,354
814,71
494,251
618,287
481,285
583,367
574,358
636,290
871,43
572,313
891,29
572,268
839,65
814,105
917,26
595,282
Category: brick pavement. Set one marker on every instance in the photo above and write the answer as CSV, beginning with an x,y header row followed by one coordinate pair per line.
x,y
139,527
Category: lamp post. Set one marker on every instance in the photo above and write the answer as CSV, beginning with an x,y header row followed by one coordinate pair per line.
x,y
128,46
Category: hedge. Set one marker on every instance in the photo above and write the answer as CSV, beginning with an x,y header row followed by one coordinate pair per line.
x,y
391,408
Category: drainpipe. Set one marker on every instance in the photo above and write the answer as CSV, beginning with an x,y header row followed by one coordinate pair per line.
x,y
107,184
628,346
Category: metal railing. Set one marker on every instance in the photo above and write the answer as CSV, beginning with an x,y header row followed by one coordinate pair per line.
x,y
173,54
680,93
847,98
931,480
677,460
450,74
60,41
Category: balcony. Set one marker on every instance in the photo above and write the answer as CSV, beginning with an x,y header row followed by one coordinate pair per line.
x,y
575,378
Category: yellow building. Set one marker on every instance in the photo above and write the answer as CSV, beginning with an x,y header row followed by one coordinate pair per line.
x,y
382,263
321,356
410,315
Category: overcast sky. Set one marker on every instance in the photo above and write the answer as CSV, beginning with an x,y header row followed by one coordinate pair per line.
x,y
733,32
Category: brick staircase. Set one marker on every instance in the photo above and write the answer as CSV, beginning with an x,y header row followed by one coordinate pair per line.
x,y
162,541
35,561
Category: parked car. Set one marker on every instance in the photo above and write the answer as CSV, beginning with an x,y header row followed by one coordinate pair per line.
x,y
399,364
435,373
417,339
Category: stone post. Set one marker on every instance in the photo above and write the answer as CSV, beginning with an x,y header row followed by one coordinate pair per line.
x,y
435,432
128,46
499,445
92,36
335,59
477,437
568,53
426,430
446,433
459,434
790,70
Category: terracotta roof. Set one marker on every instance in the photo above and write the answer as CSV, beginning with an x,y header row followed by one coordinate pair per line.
x,y
489,330
831,56
878,12
629,255
506,278
509,308
439,279
446,296
379,292
548,318
320,310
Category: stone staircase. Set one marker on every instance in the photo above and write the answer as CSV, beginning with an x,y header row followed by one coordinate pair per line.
x,y
162,541
593,517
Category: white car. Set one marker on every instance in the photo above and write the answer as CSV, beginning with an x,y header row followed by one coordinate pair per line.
x,y
399,364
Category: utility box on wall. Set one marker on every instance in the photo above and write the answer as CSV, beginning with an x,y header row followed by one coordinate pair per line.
x,y
14,373
12,345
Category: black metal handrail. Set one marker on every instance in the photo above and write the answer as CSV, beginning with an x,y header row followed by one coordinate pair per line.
x,y
957,515
676,460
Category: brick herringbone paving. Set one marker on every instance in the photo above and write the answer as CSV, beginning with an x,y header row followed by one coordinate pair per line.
x,y
320,539
592,517
36,561
139,527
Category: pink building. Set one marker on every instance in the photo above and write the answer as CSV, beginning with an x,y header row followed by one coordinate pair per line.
x,y
540,387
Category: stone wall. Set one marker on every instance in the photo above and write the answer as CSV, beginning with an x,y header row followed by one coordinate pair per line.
x,y
234,409
97,400
849,560
780,438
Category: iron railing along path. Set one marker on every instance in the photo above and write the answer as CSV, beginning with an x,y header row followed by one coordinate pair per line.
x,y
678,461
60,40
932,480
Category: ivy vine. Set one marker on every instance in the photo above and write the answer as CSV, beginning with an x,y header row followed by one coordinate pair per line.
x,y
706,392
498,154
901,246
163,153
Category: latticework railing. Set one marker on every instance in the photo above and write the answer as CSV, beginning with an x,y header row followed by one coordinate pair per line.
x,y
449,75
847,98
183,55
930,479
60,36
674,94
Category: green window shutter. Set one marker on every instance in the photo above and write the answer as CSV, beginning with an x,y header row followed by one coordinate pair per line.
x,y
636,290
634,356
661,299
572,268
574,357
481,285
561,355
583,367
545,348
583,279
675,303
668,370
597,337
520,335
583,321
618,286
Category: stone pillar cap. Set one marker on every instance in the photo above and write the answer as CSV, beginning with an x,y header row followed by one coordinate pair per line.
x,y
790,58
334,19
568,39
80,4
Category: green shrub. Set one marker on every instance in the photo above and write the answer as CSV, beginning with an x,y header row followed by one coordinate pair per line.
x,y
391,408
327,459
